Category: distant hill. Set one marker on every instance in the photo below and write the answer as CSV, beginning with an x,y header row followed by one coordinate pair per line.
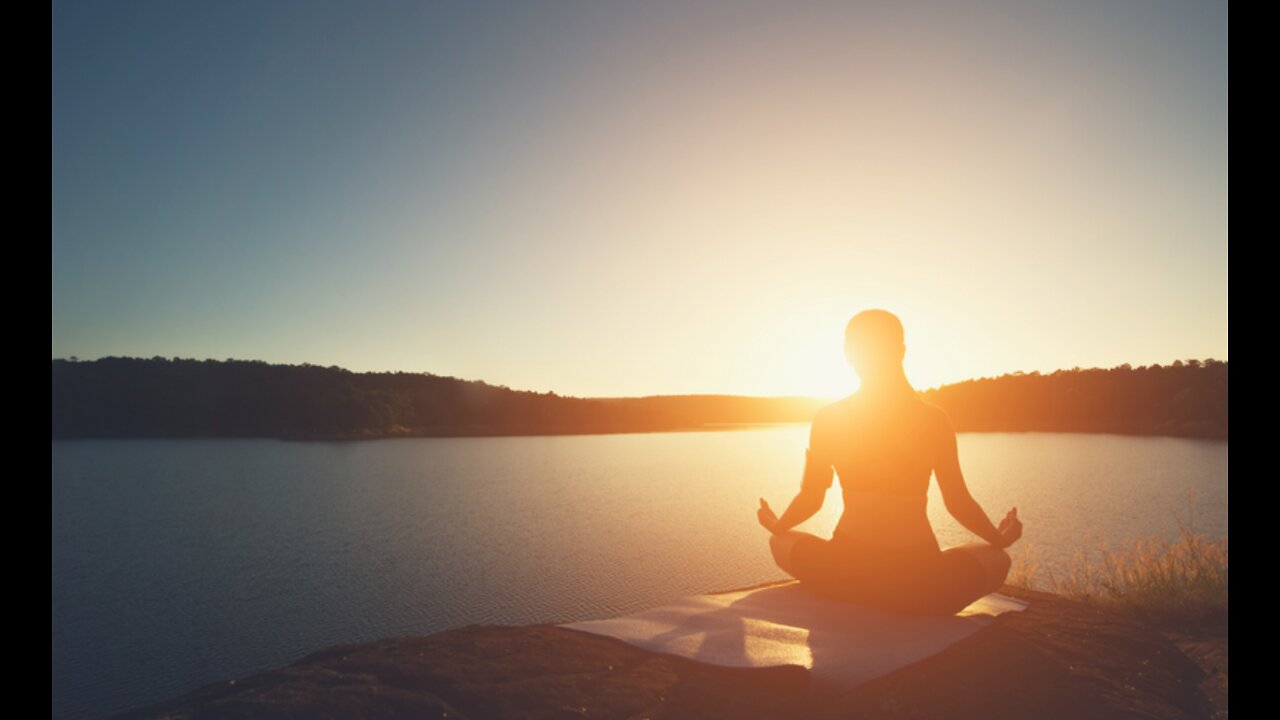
x,y
1186,399
127,397
135,398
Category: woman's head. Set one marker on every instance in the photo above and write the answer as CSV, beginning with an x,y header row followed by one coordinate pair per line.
x,y
874,345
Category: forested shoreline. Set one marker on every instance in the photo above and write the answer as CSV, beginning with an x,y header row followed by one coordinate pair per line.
x,y
179,398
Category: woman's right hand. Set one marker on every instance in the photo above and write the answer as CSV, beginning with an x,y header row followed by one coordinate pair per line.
x,y
1010,528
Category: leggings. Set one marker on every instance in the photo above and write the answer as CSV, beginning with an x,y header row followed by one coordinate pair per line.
x,y
912,580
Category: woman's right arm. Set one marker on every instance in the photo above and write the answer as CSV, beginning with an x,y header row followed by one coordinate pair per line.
x,y
955,493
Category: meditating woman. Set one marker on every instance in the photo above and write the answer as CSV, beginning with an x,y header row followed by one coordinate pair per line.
x,y
884,442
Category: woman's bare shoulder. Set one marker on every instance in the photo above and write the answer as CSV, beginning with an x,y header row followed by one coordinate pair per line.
x,y
938,417
829,422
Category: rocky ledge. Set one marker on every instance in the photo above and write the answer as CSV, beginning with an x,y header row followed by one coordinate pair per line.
x,y
1058,659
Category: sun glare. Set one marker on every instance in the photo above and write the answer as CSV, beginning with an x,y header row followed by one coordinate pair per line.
x,y
816,364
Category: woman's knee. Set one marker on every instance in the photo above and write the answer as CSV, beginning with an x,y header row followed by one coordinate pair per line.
x,y
783,547
994,561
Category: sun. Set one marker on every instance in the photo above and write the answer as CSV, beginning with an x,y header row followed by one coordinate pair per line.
x,y
813,363
832,376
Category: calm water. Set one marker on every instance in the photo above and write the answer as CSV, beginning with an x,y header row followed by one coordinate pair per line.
x,y
178,563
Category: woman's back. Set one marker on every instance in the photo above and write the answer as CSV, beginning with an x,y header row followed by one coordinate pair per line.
x,y
883,449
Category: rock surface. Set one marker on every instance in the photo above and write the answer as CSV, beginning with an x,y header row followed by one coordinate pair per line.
x,y
1058,659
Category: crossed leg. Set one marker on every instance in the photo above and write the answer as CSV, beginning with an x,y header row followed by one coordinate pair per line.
x,y
994,561
783,544
944,585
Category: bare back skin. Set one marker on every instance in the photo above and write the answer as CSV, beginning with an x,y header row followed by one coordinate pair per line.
x,y
884,451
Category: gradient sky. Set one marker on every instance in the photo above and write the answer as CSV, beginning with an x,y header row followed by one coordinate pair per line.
x,y
610,199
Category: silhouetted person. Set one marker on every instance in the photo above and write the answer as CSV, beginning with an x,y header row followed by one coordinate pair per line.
x,y
884,442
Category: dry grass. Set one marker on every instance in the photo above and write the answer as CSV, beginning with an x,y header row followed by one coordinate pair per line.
x,y
1164,581
1025,567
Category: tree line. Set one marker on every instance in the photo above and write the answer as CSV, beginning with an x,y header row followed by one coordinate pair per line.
x,y
1186,399
135,398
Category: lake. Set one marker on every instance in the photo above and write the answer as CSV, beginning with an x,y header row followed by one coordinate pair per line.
x,y
179,563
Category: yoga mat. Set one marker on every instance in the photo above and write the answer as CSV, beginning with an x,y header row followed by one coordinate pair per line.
x,y
842,645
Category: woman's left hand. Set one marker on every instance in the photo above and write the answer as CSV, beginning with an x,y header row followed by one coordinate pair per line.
x,y
768,518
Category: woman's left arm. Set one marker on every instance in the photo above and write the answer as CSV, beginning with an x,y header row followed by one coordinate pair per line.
x,y
817,479
803,506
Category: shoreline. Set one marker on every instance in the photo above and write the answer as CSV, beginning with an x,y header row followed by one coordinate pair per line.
x,y
529,432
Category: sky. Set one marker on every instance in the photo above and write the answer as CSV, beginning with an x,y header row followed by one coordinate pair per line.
x,y
619,199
